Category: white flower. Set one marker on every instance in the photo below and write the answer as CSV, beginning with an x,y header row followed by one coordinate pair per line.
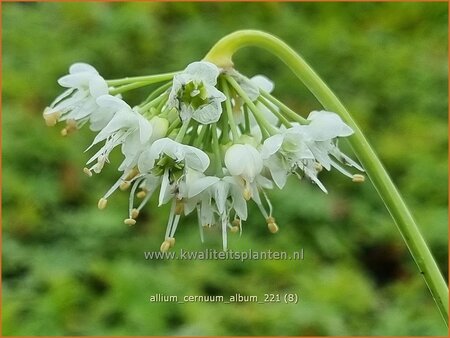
x,y
213,195
243,160
321,137
184,157
78,102
127,127
283,152
245,164
307,148
194,93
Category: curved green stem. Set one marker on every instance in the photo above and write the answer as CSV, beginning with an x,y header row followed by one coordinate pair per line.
x,y
221,54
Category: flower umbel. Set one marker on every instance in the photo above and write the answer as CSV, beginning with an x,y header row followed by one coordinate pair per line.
x,y
210,140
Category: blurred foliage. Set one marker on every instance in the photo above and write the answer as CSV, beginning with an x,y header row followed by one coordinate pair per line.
x,y
70,269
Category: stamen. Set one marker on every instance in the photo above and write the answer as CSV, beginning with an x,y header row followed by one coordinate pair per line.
x,y
102,203
171,241
51,119
124,185
247,190
200,227
273,227
141,194
134,213
165,246
179,207
114,187
132,174
318,167
70,127
234,229
130,221
358,178
87,171
224,232
247,194
131,210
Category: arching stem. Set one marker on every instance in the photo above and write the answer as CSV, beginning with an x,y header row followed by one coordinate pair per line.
x,y
221,54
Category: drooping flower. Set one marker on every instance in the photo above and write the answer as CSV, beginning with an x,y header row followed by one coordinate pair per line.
x,y
127,128
321,137
307,148
244,161
194,93
77,105
216,196
171,159
257,143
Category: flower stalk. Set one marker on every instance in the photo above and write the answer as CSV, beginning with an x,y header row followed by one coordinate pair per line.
x,y
221,54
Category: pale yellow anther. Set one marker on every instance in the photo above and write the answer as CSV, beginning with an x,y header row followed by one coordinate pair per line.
x,y
132,174
273,227
236,222
234,229
71,126
358,178
51,119
134,213
179,207
124,185
102,203
318,167
130,221
141,194
247,194
87,172
171,241
165,246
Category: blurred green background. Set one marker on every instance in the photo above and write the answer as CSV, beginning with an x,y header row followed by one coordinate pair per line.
x,y
70,269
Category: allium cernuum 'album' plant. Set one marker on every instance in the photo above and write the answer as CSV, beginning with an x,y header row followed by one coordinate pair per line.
x,y
207,141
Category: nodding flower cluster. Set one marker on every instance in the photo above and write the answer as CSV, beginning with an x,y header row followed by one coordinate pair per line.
x,y
208,139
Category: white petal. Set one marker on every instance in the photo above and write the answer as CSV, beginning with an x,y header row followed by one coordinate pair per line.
x,y
145,129
243,160
263,82
82,67
195,158
221,189
100,118
327,125
98,86
159,126
112,102
77,80
165,188
119,121
146,161
203,71
271,145
209,113
201,185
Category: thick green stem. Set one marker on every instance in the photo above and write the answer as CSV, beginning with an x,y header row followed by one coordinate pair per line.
x,y
221,54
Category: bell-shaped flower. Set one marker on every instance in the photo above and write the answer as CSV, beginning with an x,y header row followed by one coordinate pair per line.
x,y
171,159
282,153
321,136
78,103
217,196
245,162
194,93
127,128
